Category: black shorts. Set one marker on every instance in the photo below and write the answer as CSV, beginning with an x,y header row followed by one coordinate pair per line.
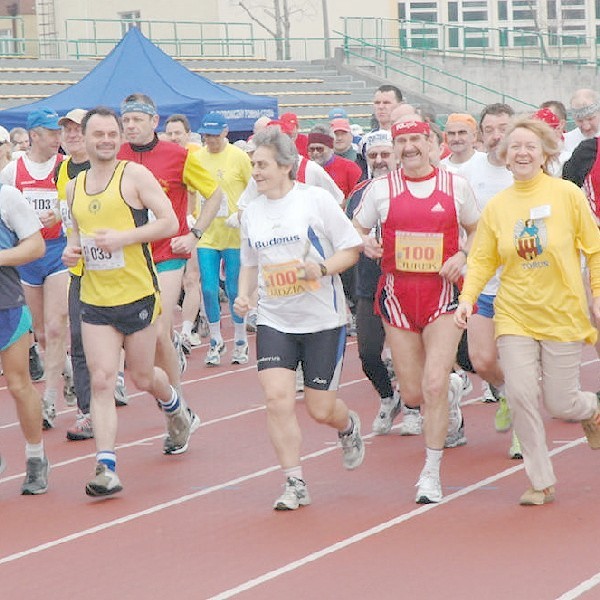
x,y
125,318
321,354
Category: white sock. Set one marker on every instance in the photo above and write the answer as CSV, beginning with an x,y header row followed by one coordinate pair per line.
x,y
34,450
239,332
293,472
215,331
433,460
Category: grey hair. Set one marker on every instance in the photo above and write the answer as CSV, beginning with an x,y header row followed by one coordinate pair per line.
x,y
282,146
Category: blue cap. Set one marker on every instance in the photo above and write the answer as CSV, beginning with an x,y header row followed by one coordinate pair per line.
x,y
338,113
213,123
43,117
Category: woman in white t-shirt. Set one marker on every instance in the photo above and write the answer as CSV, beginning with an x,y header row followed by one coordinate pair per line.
x,y
295,242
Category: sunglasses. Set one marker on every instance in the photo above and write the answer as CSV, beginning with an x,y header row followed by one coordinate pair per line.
x,y
385,154
318,149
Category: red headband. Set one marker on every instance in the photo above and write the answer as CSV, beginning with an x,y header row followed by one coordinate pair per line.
x,y
410,127
546,115
320,138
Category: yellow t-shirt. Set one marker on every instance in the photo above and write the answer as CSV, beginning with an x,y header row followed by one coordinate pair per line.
x,y
232,170
535,230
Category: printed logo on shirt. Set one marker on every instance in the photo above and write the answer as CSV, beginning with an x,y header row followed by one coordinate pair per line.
x,y
438,208
530,237
277,241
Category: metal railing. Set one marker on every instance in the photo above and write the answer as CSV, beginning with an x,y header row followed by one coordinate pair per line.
x,y
527,45
429,78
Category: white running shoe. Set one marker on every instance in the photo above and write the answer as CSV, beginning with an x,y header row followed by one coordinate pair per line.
x,y
48,412
429,488
299,379
487,395
455,418
213,356
105,483
388,411
412,421
294,495
466,382
68,384
353,448
239,356
120,391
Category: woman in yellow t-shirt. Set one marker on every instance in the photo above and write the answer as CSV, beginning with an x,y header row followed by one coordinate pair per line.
x,y
536,230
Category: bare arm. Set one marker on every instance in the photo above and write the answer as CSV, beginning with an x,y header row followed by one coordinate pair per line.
x,y
28,249
247,284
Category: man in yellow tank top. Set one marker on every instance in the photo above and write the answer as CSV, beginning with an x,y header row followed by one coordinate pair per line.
x,y
119,287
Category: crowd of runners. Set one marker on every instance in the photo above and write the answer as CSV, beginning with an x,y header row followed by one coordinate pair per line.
x,y
473,247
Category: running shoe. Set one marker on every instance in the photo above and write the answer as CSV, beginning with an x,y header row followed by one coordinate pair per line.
x,y
176,337
487,395
466,382
105,483
353,448
240,353
457,438
351,326
222,296
537,497
455,418
186,345
202,325
294,495
412,421
515,448
68,384
213,356
120,391
2,464
251,322
36,366
48,412
194,340
82,430
179,429
299,379
389,365
429,488
502,418
388,411
168,446
36,477
591,428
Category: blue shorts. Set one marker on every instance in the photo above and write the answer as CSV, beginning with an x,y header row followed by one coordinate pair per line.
x,y
35,272
171,264
321,354
485,305
14,324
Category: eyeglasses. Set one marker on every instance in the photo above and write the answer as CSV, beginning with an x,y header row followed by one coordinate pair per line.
x,y
318,149
385,154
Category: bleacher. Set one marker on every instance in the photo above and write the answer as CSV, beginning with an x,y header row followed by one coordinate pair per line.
x,y
308,89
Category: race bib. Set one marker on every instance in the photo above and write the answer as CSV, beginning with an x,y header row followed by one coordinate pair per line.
x,y
284,279
96,259
418,252
41,201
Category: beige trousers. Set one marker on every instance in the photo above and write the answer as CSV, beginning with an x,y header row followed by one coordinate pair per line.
x,y
524,361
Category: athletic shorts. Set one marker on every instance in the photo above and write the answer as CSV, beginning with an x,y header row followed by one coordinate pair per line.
x,y
125,318
485,305
35,272
413,302
14,324
321,354
171,264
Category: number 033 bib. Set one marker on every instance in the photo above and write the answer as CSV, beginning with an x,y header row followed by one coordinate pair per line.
x,y
96,259
418,252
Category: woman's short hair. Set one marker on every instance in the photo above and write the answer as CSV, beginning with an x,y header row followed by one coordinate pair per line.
x,y
282,145
542,131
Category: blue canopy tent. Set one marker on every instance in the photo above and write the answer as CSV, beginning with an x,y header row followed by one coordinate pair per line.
x,y
137,65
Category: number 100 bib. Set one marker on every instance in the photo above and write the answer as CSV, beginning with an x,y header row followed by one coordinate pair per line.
x,y
418,252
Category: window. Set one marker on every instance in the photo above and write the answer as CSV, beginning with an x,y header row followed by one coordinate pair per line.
x,y
453,11
573,14
551,8
401,10
479,15
502,11
129,19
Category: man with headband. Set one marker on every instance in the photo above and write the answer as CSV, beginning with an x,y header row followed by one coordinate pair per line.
x,y
421,210
461,135
585,110
177,170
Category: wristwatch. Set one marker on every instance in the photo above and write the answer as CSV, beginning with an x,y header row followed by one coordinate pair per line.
x,y
198,233
323,268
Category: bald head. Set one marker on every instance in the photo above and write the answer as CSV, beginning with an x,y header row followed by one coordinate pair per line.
x,y
585,108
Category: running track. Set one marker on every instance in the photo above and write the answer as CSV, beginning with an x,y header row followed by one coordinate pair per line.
x,y
200,525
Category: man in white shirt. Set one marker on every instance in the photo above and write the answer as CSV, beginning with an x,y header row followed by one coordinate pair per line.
x,y
585,109
461,135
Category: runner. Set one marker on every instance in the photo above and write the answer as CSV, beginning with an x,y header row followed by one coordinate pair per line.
x,y
110,205
295,242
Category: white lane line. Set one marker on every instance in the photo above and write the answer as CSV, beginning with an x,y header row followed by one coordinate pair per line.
x,y
314,556
582,588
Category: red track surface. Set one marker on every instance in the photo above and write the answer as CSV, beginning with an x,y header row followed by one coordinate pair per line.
x,y
200,525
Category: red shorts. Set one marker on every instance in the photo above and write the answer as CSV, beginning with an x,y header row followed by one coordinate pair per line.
x,y
412,302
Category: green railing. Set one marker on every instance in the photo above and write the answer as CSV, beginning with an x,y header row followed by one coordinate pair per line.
x,y
428,77
12,45
177,38
470,41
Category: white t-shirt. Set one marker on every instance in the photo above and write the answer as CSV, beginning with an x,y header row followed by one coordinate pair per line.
x,y
375,202
37,170
572,139
16,214
466,168
315,175
306,224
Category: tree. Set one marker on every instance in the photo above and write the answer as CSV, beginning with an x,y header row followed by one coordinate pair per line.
x,y
280,14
